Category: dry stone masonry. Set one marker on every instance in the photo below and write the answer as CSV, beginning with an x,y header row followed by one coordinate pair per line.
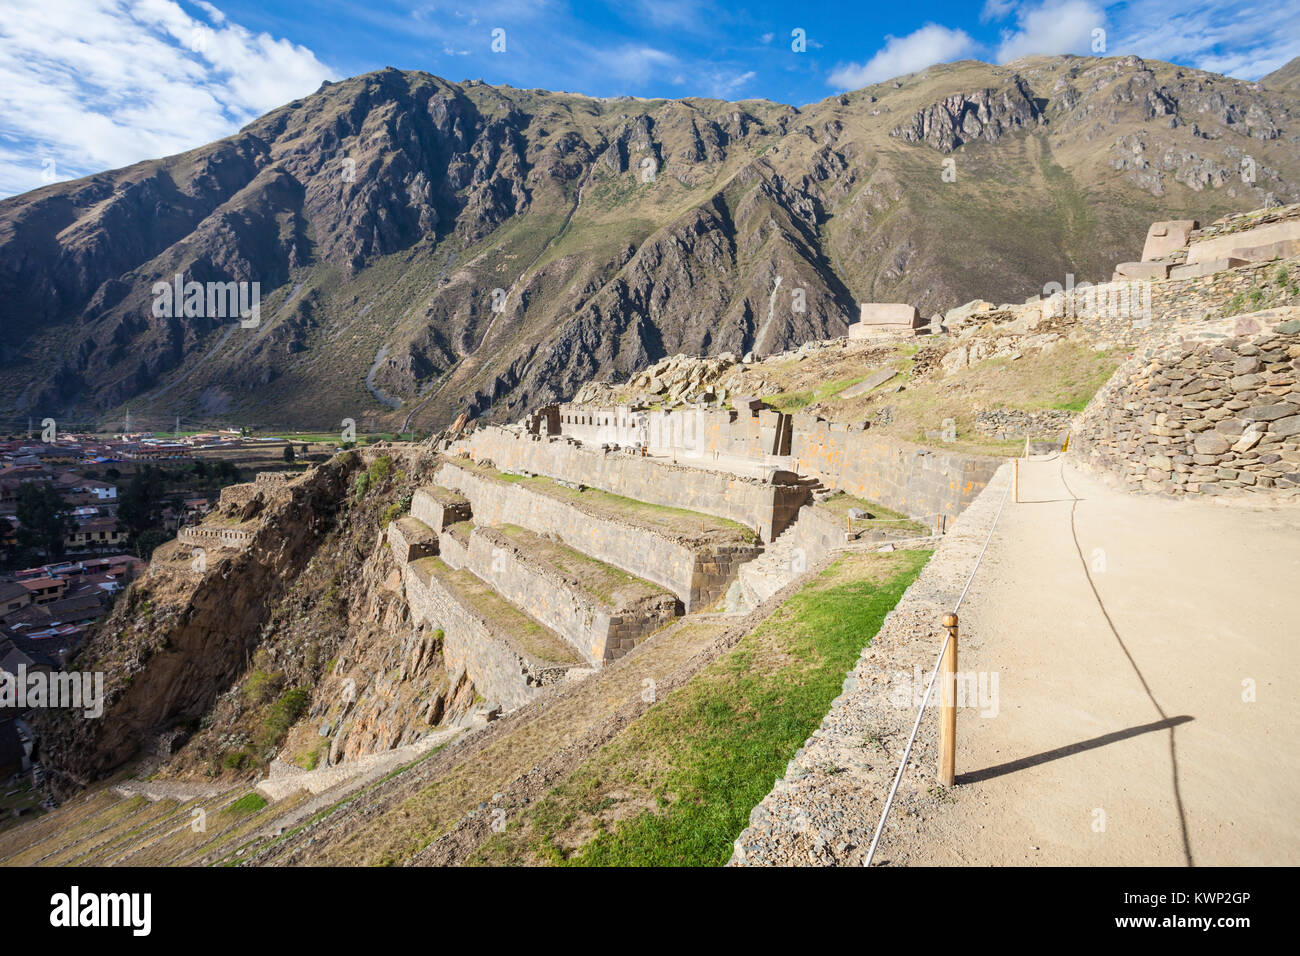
x,y
1216,410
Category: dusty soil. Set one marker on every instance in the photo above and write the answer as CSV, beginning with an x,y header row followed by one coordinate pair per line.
x,y
1127,633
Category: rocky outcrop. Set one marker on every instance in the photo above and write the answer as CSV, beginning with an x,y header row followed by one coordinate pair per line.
x,y
986,114
183,631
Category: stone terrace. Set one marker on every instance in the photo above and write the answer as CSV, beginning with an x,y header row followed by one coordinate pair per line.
x,y
507,653
695,556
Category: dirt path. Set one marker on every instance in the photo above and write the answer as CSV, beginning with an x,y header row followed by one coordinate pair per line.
x,y
1121,629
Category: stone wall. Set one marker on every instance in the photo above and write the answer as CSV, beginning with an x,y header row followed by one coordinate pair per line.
x,y
1006,423
815,535
697,572
685,433
1209,409
908,478
410,539
763,506
438,507
214,536
1132,314
597,629
499,671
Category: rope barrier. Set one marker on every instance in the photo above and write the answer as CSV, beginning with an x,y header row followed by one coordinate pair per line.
x,y
902,765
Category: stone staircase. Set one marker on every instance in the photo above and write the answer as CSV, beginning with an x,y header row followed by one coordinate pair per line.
x,y
284,779
777,566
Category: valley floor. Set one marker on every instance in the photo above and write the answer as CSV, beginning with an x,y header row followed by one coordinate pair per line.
x,y
1146,657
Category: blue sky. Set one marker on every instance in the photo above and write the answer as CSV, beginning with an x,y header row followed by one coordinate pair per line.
x,y
87,85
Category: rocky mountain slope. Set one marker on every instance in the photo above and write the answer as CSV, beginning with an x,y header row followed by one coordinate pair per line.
x,y
218,652
425,248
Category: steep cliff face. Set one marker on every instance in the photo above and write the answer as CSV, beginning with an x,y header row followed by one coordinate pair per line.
x,y
964,117
425,248
218,660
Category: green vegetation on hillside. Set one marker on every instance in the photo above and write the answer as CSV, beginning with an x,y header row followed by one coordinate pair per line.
x,y
676,788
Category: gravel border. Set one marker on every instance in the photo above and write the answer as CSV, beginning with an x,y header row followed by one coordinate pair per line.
x,y
825,810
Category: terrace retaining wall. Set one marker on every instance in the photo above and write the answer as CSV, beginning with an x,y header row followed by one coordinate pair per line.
x,y
911,479
697,572
765,507
498,671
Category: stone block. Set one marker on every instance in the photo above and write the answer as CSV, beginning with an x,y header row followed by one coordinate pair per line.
x,y
1149,271
1210,444
884,317
1195,270
1164,238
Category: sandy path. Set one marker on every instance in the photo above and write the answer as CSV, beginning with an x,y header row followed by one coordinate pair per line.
x,y
1121,628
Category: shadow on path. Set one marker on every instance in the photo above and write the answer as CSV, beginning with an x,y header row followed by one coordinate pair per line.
x,y
1023,763
1165,719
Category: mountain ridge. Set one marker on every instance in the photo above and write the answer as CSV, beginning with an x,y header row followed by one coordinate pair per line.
x,y
386,215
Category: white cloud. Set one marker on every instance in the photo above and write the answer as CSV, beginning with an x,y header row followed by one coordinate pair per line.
x,y
95,84
634,64
1219,35
1055,26
929,45
725,86
996,10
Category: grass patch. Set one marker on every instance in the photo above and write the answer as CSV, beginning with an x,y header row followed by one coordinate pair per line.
x,y
676,788
248,803
794,401
839,504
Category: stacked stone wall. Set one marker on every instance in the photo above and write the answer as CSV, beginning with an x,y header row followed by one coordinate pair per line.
x,y
701,433
212,536
1003,424
498,670
439,508
697,572
765,507
1116,314
908,478
1213,409
597,630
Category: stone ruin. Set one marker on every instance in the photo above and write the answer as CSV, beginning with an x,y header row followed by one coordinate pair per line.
x,y
1180,249
883,320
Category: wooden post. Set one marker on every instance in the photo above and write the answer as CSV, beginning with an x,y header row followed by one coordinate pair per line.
x,y
948,711
1016,480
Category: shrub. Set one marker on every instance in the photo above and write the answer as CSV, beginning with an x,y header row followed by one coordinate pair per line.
x,y
234,760
381,469
262,685
284,714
